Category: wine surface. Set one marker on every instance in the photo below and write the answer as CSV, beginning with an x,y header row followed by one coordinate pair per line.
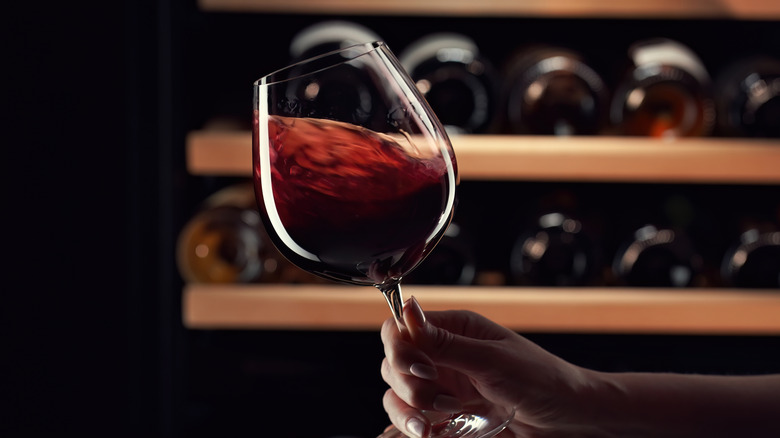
x,y
348,203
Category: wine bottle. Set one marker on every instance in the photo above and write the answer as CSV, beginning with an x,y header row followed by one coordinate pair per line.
x,y
666,92
657,257
458,82
350,90
452,262
224,242
555,251
329,35
747,96
553,91
753,261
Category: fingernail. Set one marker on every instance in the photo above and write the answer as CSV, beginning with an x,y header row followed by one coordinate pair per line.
x,y
446,403
423,371
417,311
415,426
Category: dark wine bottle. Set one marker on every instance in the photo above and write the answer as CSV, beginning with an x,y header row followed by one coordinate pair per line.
x,y
554,91
666,92
349,89
657,257
555,251
452,262
754,260
747,96
458,82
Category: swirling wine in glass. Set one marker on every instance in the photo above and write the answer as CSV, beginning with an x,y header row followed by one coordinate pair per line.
x,y
354,175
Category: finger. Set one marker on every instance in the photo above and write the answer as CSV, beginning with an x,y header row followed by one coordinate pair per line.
x,y
404,356
469,324
404,417
419,393
413,390
414,318
388,330
464,344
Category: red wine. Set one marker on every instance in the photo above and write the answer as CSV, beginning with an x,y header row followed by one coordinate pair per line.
x,y
348,203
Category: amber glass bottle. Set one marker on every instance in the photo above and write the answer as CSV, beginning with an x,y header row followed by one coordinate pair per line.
x,y
665,92
224,242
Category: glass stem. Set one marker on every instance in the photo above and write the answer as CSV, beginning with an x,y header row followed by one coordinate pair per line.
x,y
392,293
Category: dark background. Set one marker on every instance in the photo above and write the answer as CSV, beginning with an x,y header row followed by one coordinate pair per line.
x,y
99,98
87,320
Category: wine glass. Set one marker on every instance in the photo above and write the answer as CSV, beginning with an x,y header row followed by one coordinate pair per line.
x,y
355,180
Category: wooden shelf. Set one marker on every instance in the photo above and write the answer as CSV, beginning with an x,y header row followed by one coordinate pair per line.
x,y
540,158
570,310
737,9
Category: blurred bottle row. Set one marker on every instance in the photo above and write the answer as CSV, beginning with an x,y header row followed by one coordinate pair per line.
x,y
664,90
224,242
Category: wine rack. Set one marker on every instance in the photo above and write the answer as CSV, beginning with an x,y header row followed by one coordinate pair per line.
x,y
734,161
750,9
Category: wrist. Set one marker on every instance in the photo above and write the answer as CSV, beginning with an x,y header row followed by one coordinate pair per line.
x,y
591,405
581,403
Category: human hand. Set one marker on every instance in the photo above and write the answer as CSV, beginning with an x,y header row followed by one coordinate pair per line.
x,y
451,358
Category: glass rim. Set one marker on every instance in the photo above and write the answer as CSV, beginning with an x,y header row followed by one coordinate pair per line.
x,y
368,47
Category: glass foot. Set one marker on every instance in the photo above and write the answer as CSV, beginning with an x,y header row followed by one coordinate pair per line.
x,y
478,421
